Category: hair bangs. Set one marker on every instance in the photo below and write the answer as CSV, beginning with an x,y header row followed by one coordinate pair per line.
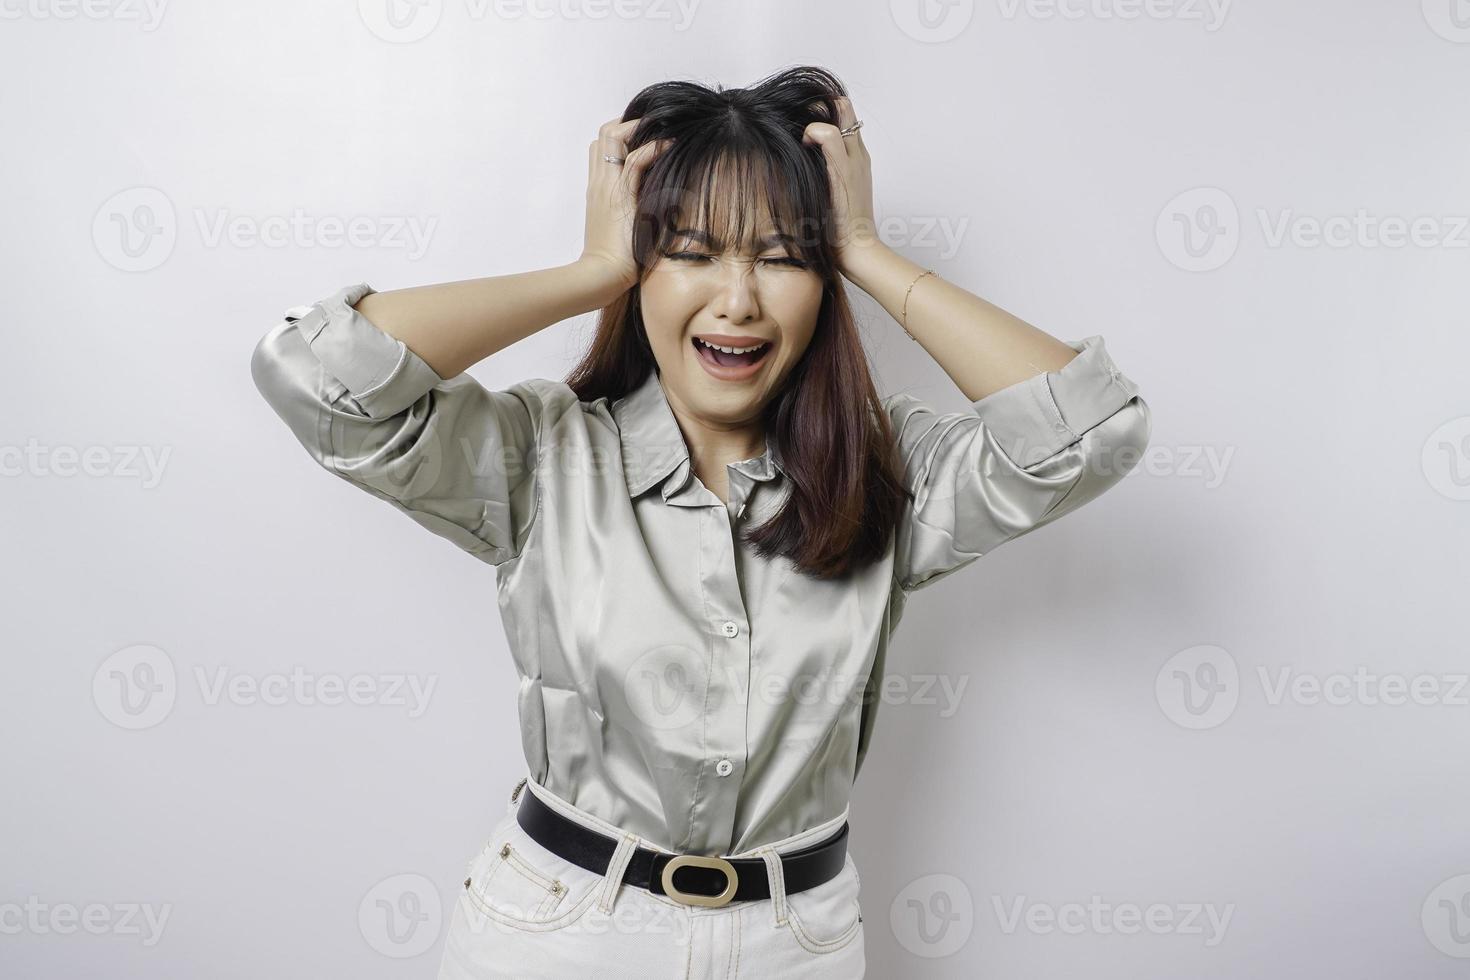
x,y
744,197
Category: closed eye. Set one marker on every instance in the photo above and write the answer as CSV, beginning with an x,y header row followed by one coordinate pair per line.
x,y
703,257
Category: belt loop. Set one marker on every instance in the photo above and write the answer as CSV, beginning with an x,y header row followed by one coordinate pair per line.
x,y
617,865
511,807
777,878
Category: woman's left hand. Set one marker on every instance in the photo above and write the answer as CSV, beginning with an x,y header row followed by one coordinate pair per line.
x,y
850,172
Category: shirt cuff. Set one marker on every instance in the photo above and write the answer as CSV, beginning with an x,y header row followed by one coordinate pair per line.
x,y
1037,418
379,370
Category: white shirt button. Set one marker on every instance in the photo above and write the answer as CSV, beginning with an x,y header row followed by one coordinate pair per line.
x,y
729,627
724,767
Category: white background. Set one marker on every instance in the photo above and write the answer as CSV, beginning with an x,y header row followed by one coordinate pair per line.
x,y
1303,508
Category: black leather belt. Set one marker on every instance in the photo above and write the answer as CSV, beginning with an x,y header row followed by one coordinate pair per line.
x,y
709,881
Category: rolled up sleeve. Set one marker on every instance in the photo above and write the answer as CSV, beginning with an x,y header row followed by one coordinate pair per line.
x,y
459,459
1019,459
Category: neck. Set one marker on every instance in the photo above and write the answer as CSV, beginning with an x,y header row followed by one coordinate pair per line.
x,y
713,446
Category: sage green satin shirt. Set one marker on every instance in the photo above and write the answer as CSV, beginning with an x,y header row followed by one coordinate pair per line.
x,y
671,682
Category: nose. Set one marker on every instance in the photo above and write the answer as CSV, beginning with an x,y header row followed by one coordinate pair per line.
x,y
736,300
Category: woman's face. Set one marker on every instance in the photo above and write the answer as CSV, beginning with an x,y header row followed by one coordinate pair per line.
x,y
733,295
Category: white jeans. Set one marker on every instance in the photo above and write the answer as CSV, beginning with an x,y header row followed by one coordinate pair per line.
x,y
526,913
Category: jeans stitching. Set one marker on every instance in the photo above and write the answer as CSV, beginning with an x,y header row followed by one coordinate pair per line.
x,y
778,883
733,970
561,921
815,945
616,867
825,945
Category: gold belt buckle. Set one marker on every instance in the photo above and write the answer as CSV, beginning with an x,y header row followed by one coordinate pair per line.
x,y
701,861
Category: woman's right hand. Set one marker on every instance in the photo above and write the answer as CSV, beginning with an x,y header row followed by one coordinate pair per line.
x,y
612,200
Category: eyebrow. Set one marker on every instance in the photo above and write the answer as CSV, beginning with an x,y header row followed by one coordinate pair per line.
x,y
704,238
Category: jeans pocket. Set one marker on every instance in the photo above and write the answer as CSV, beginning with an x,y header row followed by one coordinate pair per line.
x,y
828,917
518,883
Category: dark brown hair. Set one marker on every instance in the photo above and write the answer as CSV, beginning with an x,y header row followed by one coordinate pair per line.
x,y
827,422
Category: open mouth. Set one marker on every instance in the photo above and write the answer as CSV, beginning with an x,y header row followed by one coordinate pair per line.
x,y
730,357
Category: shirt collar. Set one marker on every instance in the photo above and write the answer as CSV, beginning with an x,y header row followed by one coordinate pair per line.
x,y
653,445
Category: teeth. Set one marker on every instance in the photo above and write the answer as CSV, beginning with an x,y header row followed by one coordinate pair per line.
x,y
730,350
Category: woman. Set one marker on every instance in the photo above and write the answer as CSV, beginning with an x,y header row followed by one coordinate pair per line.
x,y
705,536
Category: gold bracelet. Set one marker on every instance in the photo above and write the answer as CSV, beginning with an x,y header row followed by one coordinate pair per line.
x,y
905,322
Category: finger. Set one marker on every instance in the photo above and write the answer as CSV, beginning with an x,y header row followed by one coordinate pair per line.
x,y
829,138
617,125
847,118
846,114
612,146
636,164
640,159
615,133
611,141
597,167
